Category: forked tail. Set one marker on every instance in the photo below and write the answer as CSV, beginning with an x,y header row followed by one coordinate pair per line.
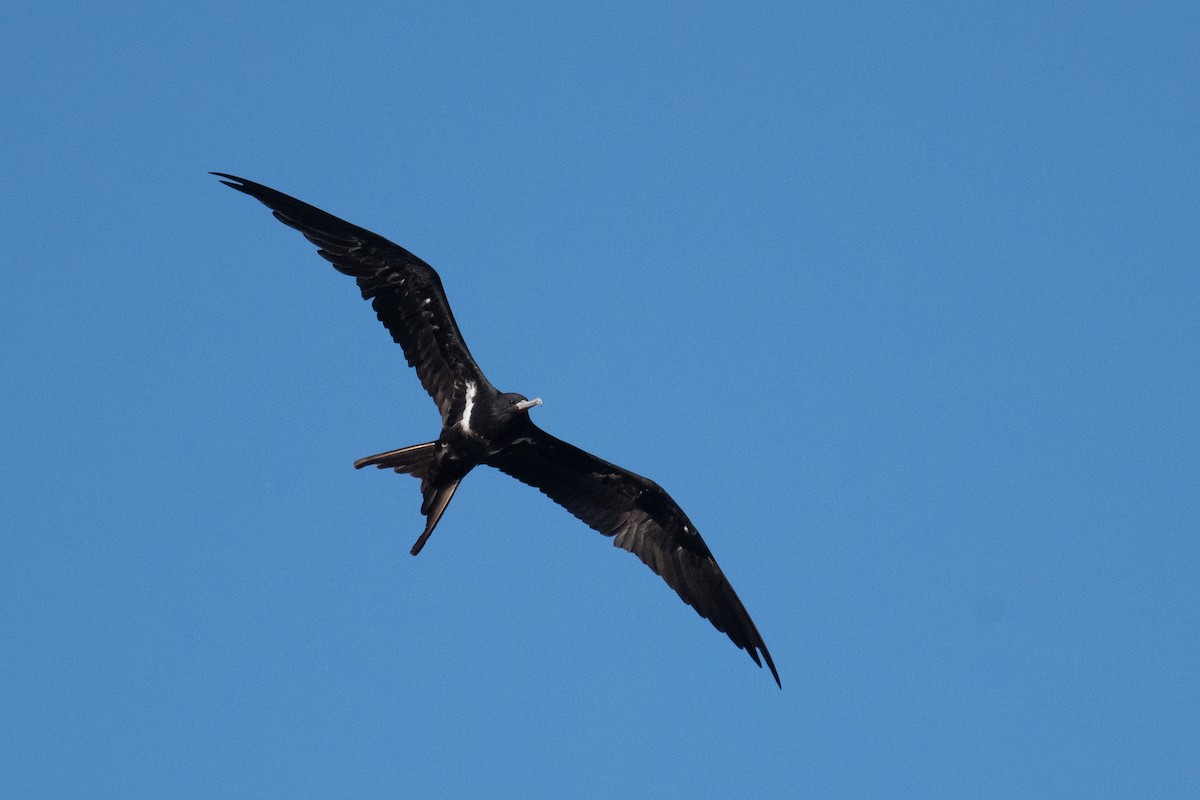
x,y
418,461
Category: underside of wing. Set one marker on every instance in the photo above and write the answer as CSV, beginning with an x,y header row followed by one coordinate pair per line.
x,y
641,518
405,292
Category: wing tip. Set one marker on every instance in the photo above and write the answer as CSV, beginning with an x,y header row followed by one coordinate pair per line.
x,y
234,182
770,664
758,651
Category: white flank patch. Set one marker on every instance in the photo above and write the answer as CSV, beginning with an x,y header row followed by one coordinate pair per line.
x,y
466,418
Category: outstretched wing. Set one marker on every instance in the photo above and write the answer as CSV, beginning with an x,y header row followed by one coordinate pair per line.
x,y
642,518
405,291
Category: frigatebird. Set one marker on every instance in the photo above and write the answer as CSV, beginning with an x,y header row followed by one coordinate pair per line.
x,y
481,425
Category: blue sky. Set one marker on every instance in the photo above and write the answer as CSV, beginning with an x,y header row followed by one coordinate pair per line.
x,y
899,303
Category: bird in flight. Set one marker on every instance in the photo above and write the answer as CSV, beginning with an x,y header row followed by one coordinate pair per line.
x,y
481,425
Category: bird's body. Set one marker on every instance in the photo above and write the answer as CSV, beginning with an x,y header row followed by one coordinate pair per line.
x,y
483,426
486,424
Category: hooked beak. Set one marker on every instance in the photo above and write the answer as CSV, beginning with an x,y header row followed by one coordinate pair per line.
x,y
525,405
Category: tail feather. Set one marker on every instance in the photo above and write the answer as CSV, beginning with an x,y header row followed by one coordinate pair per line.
x,y
413,460
436,500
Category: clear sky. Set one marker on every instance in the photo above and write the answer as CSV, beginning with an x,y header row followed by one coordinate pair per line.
x,y
898,302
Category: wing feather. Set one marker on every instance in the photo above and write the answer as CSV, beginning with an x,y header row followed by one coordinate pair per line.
x,y
405,292
641,518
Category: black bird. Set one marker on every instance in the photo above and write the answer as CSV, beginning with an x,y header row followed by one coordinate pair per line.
x,y
481,425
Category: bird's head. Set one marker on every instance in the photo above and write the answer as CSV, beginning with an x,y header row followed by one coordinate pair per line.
x,y
519,403
512,410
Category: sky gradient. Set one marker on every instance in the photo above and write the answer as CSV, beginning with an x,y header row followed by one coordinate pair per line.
x,y
899,304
